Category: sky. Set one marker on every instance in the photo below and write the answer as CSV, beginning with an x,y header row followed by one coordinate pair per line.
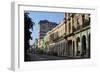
x,y
37,16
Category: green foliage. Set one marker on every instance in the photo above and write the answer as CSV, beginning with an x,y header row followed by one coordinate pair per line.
x,y
28,24
44,43
36,43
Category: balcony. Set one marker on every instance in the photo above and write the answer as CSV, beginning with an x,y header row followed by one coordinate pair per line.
x,y
75,29
79,27
86,23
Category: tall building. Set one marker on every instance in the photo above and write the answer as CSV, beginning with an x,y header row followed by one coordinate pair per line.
x,y
44,27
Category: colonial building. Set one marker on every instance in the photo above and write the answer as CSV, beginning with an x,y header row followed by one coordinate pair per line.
x,y
71,37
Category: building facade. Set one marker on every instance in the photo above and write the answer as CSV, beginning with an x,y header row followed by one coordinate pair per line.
x,y
71,37
44,27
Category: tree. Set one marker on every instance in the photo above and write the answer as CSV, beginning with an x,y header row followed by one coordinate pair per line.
x,y
36,43
28,24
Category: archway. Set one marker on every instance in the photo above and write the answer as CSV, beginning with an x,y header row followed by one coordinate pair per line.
x,y
70,48
78,46
83,45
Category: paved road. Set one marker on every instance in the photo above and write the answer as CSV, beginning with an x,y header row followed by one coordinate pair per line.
x,y
38,57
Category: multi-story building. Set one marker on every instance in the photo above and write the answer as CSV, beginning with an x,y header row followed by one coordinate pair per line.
x,y
71,37
44,27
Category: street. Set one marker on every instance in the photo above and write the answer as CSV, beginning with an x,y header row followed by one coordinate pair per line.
x,y
42,57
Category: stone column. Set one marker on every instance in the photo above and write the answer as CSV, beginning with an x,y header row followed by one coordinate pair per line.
x,y
87,44
75,51
71,25
60,48
73,47
65,48
81,43
68,26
